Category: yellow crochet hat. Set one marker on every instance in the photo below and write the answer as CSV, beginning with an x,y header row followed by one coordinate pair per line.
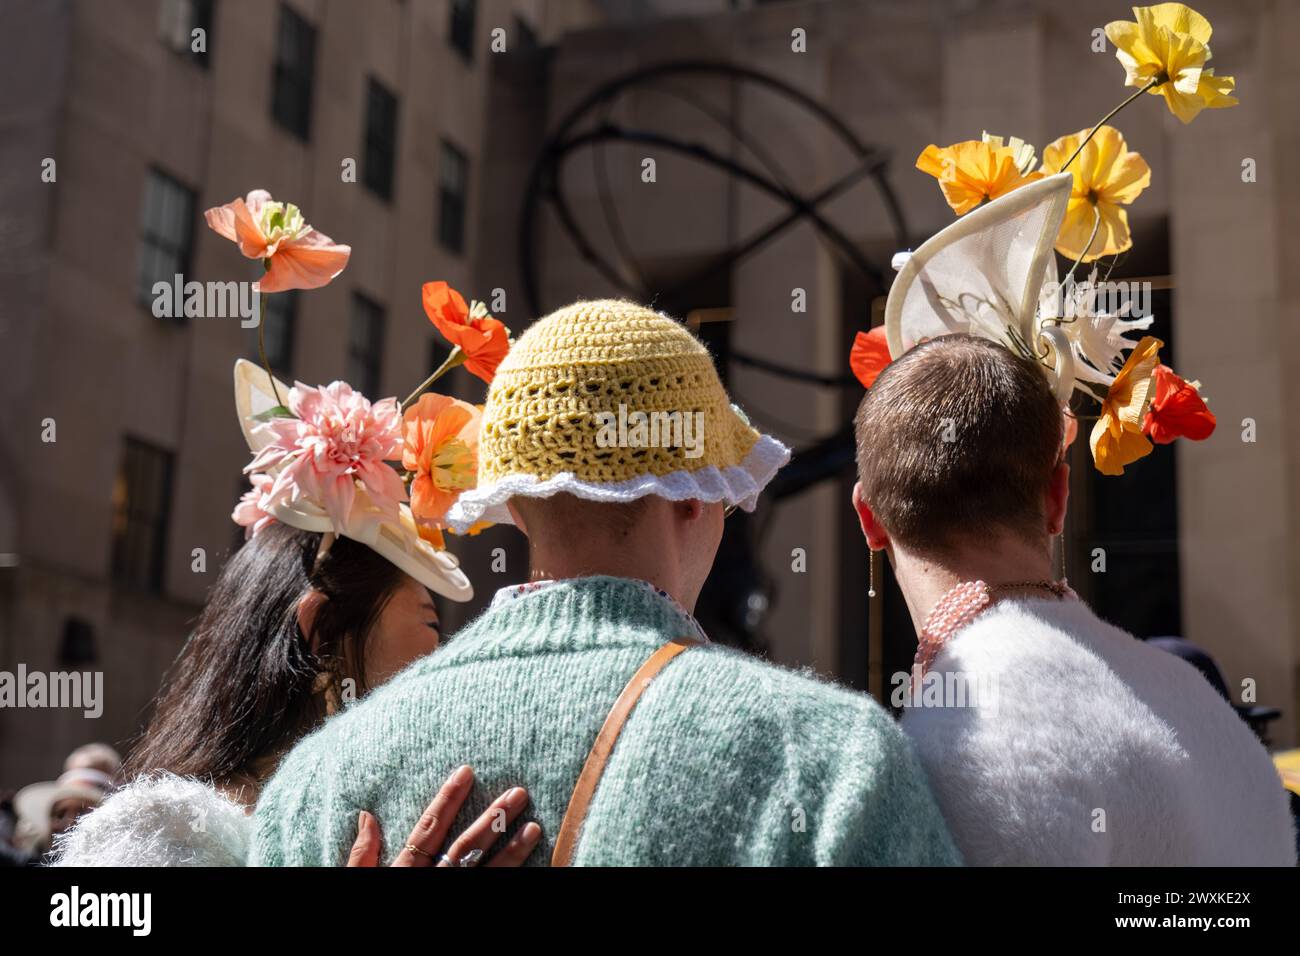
x,y
610,401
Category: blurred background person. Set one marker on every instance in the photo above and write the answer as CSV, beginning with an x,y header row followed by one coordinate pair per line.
x,y
96,756
49,808
10,854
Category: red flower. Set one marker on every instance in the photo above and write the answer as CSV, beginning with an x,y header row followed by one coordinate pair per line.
x,y
1177,410
483,339
869,356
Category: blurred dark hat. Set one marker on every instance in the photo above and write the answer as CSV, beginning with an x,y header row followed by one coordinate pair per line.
x,y
1203,662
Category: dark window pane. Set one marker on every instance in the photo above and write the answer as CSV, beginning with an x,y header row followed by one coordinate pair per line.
x,y
365,346
166,234
525,37
380,139
141,507
78,645
461,29
177,21
295,62
201,12
278,332
453,189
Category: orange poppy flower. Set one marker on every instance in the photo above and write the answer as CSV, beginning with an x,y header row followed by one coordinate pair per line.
x,y
296,255
869,356
440,450
1177,410
1117,438
973,172
483,339
430,532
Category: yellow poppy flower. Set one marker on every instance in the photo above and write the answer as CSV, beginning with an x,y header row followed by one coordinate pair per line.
x,y
1107,177
1215,89
1117,439
1170,44
973,172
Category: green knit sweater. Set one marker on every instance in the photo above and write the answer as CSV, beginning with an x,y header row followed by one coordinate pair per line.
x,y
725,759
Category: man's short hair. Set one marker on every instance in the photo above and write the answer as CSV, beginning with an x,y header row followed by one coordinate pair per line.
x,y
958,438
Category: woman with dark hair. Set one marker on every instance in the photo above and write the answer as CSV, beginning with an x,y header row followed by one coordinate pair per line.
x,y
270,660
328,598
267,663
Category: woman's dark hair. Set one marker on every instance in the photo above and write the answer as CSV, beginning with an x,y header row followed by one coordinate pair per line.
x,y
248,684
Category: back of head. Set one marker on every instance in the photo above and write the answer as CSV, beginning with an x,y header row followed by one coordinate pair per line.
x,y
957,440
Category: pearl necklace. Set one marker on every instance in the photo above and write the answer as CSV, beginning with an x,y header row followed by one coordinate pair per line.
x,y
962,604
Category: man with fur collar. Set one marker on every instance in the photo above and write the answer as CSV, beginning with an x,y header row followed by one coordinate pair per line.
x,y
1068,741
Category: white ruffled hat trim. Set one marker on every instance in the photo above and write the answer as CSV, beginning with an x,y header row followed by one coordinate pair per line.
x,y
735,485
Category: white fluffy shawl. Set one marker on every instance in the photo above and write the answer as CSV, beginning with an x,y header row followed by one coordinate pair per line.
x,y
162,820
1098,750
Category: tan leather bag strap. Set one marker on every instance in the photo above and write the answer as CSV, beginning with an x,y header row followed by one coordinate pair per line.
x,y
585,789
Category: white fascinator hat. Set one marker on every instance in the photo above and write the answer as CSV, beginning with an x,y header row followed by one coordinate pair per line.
x,y
366,509
988,274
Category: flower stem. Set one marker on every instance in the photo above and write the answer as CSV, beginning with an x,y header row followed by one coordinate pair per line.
x,y
1096,224
457,357
1105,119
261,346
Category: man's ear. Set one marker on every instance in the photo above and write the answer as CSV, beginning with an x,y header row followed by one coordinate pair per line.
x,y
688,510
518,518
875,533
1058,498
309,606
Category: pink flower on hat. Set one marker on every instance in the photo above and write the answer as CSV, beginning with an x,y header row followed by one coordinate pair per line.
x,y
296,255
250,513
333,454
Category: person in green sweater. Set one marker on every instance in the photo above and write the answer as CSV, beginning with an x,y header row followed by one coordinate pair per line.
x,y
608,440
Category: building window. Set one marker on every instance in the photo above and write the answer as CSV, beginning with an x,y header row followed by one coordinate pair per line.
x,y
278,332
525,37
177,21
166,233
366,346
381,139
461,29
295,63
141,504
453,188
77,649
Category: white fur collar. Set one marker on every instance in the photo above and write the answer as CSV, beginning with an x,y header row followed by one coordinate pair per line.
x,y
161,820
1098,750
